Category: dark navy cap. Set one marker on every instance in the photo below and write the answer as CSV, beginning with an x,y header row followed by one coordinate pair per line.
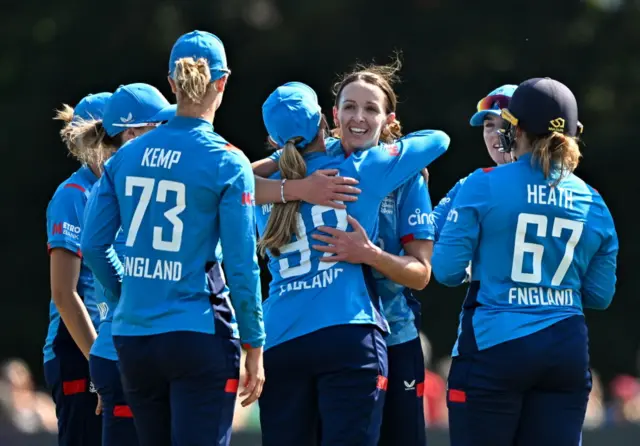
x,y
540,106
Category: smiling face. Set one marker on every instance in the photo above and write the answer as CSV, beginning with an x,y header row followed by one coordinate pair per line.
x,y
361,115
492,123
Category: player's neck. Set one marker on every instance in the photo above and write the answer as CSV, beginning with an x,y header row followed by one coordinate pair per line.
x,y
197,111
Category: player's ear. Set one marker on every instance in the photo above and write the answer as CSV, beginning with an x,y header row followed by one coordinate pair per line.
x,y
172,83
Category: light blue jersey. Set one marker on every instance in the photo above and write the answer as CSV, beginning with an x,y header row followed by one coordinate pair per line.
x,y
103,346
65,215
404,216
540,253
306,295
441,211
176,191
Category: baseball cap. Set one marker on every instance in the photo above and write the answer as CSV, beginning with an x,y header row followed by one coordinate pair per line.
x,y
91,106
543,105
135,105
200,44
492,103
292,111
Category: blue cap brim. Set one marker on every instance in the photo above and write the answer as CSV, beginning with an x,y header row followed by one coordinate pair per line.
x,y
478,118
165,114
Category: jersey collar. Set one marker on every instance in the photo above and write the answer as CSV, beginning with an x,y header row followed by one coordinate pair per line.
x,y
88,174
525,157
186,122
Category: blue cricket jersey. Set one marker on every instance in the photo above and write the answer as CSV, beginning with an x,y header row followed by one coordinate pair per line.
x,y
176,191
306,295
65,215
404,216
103,346
440,212
540,253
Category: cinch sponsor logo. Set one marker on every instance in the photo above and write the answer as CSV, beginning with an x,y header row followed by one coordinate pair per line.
x,y
418,218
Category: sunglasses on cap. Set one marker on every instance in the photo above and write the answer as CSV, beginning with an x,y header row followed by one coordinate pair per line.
x,y
494,102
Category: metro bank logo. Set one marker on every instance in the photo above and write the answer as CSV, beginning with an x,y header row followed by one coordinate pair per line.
x,y
57,228
66,229
247,199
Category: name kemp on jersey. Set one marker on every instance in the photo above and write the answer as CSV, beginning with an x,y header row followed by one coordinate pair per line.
x,y
160,158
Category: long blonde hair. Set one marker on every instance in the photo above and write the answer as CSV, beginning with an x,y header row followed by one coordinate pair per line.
x,y
556,153
283,220
86,140
382,76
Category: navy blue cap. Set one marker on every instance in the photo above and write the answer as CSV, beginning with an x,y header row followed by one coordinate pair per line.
x,y
135,105
200,44
292,111
91,106
542,105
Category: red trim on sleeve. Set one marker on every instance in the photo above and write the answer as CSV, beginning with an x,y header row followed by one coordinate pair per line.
x,y
75,186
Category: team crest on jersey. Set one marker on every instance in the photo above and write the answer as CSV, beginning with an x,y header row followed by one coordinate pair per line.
x,y
388,205
393,149
103,308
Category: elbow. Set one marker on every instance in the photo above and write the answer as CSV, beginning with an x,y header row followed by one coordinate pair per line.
x,y
447,277
61,297
423,279
600,302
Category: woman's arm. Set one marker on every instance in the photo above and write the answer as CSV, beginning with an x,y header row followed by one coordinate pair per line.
x,y
65,272
412,270
323,187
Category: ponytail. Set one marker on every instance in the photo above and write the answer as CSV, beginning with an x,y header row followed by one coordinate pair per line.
x,y
283,221
556,152
88,142
192,78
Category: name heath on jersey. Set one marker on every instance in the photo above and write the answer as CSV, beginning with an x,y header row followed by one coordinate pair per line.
x,y
554,196
153,269
540,296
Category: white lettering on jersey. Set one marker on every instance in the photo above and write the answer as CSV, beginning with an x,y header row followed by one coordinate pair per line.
x,y
452,216
549,195
540,296
418,218
266,208
153,269
321,280
68,230
160,158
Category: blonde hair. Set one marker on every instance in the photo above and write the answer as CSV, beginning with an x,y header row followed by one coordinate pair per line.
x,y
86,140
192,78
383,77
556,153
283,220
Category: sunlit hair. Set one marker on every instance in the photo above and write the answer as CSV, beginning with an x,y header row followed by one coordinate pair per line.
x,y
283,220
192,78
383,77
556,153
86,140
